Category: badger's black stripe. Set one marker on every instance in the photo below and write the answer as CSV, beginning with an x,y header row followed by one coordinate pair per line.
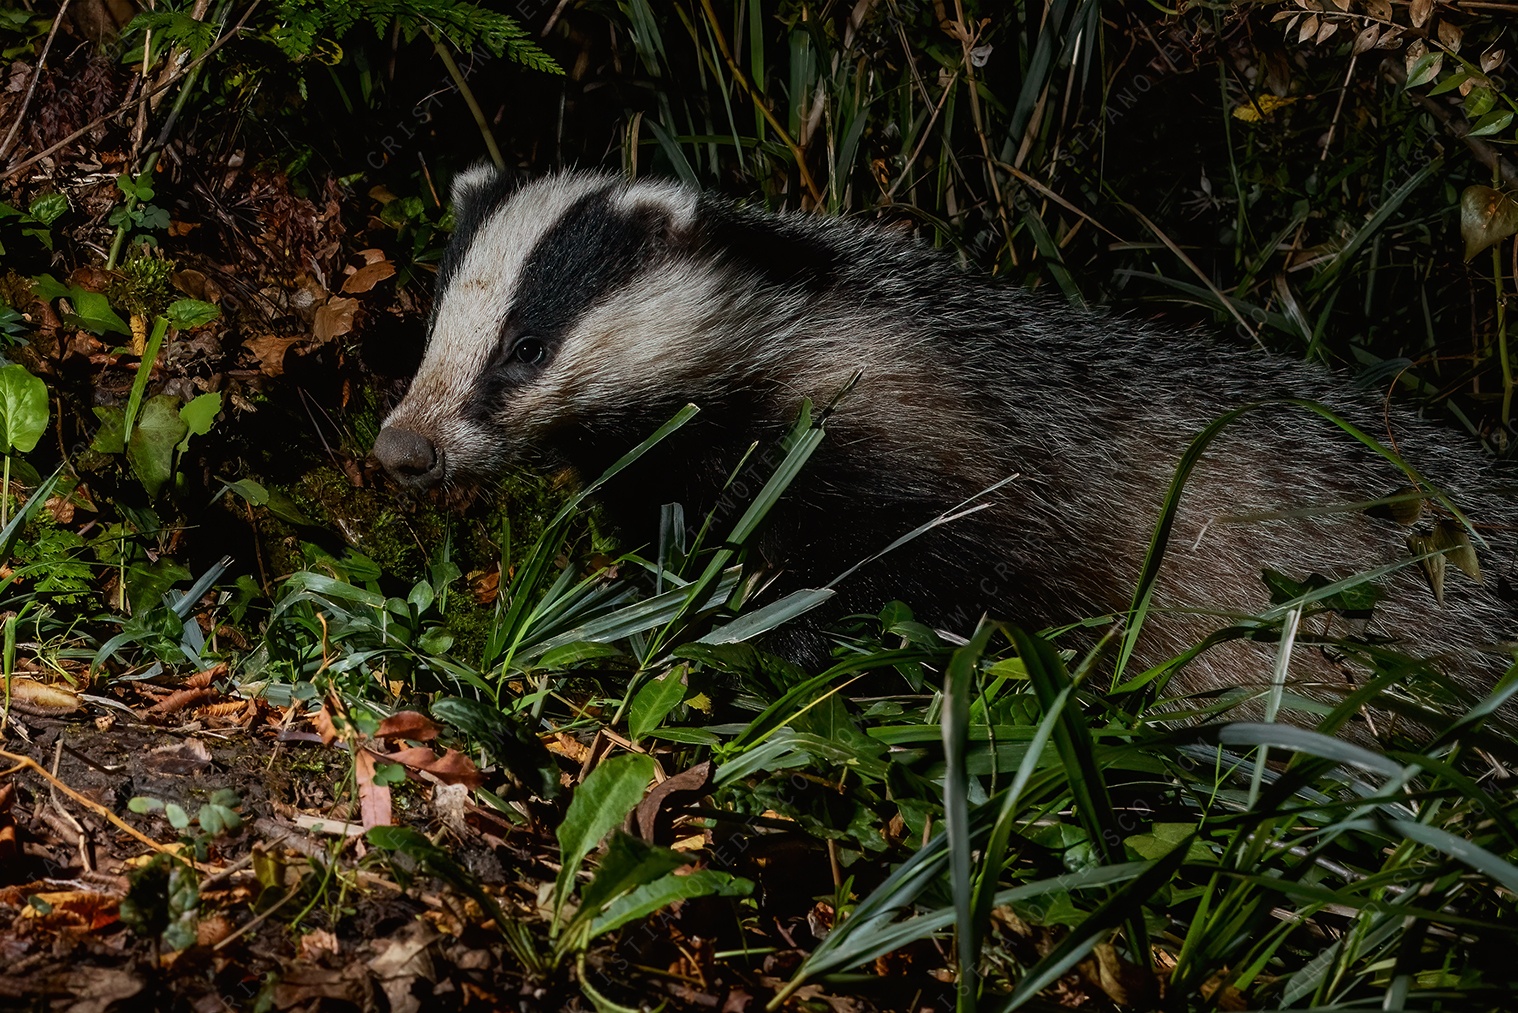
x,y
593,250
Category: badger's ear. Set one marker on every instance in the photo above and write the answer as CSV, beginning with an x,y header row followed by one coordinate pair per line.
x,y
481,183
781,250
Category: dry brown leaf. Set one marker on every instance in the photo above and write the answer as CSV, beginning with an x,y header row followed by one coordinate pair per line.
x,y
453,767
368,276
1329,27
40,699
373,799
62,509
407,725
1492,59
1381,10
1419,10
1366,40
334,319
270,351
1309,29
1450,35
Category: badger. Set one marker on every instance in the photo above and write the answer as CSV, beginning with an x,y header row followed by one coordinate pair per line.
x,y
574,314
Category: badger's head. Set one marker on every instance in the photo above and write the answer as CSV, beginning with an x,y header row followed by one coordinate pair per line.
x,y
563,306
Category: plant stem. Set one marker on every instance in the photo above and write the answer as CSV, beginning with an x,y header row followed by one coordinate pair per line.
x,y
1502,353
462,84
140,381
5,494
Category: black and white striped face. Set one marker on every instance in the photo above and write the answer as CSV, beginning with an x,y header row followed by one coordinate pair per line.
x,y
558,302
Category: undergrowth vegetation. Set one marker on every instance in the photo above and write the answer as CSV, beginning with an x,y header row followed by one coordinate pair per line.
x,y
219,230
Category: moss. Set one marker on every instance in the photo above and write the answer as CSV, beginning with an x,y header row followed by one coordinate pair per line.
x,y
141,285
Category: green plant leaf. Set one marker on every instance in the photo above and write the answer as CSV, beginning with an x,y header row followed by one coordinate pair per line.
x,y
628,863
1494,122
93,313
150,451
184,314
48,208
601,802
199,416
654,701
23,409
650,897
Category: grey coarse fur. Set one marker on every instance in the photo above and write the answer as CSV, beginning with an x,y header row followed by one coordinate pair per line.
x,y
646,296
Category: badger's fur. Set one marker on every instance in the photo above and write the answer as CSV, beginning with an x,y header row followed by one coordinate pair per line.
x,y
577,313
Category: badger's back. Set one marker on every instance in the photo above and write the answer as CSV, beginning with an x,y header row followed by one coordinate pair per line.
x,y
576,314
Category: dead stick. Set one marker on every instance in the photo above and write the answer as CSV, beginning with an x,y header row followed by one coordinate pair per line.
x,y
124,107
27,763
31,89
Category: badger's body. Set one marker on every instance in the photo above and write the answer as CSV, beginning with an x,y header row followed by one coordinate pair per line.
x,y
577,313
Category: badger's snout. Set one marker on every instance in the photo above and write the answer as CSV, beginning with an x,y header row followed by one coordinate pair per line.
x,y
409,457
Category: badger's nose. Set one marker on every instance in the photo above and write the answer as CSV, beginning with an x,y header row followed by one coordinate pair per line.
x,y
409,456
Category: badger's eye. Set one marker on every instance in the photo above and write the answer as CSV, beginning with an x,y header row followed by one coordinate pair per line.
x,y
530,351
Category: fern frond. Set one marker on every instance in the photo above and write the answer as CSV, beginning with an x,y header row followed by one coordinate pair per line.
x,y
175,27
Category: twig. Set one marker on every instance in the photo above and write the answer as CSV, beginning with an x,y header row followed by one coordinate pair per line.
x,y
967,40
31,88
27,763
1484,152
124,107
462,83
761,104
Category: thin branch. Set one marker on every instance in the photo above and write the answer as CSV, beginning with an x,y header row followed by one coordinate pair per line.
x,y
126,106
763,106
31,88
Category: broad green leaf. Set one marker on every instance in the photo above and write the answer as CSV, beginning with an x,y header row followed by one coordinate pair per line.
x,y
48,208
1487,216
1494,122
110,437
1425,70
23,409
187,313
48,288
248,489
199,416
628,863
93,313
150,451
645,900
601,802
654,701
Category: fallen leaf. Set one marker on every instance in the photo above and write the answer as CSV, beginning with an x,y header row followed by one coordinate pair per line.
x,y
334,319
367,277
407,725
270,351
38,698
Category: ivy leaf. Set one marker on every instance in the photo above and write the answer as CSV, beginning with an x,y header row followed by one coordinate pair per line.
x,y
199,416
23,409
150,451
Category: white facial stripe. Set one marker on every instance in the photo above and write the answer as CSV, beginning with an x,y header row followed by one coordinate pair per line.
x,y
473,308
619,349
